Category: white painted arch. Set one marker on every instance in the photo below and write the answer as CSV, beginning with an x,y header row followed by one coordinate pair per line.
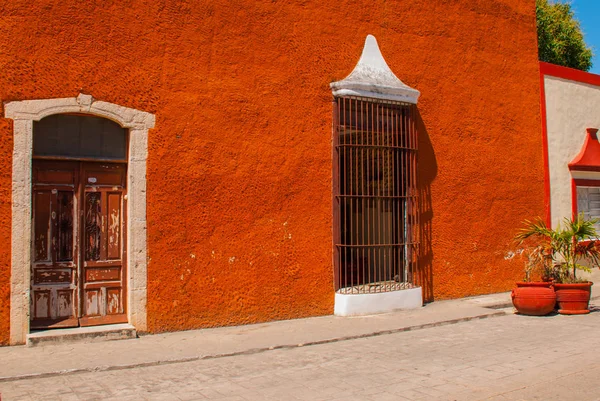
x,y
24,113
373,78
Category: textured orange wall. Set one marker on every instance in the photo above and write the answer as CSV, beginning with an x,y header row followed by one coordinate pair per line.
x,y
239,169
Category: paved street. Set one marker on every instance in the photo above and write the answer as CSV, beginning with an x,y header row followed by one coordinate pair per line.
x,y
501,358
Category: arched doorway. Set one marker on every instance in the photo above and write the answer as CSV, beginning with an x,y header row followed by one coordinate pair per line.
x,y
26,114
79,192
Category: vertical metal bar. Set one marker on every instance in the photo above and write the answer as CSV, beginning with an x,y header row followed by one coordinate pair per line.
x,y
379,174
411,194
362,193
340,154
405,192
361,168
395,237
411,199
410,188
356,195
374,189
343,200
385,193
416,193
354,199
381,189
391,198
357,198
387,199
335,201
394,200
369,192
398,193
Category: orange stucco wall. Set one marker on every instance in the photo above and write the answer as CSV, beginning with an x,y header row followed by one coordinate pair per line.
x,y
239,168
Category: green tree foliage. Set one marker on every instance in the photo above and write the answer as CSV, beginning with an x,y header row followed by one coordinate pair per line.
x,y
560,40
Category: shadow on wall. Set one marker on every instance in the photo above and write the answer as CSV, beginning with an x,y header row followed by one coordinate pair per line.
x,y
427,171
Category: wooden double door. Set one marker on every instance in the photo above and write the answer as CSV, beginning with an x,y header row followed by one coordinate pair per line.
x,y
78,271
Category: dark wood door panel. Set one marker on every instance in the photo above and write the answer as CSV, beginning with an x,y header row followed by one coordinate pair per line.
x,y
53,307
104,175
55,173
42,230
54,263
103,276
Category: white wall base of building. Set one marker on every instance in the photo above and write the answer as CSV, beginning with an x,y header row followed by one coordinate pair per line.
x,y
367,304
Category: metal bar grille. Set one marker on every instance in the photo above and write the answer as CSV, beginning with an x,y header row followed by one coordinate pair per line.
x,y
374,195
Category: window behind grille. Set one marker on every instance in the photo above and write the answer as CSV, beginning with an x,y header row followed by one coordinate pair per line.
x,y
375,195
588,203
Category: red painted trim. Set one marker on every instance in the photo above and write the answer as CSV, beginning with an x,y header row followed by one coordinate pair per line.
x,y
582,182
584,168
574,210
569,73
545,149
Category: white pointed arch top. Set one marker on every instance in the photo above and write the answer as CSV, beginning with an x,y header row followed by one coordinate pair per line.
x,y
37,109
373,78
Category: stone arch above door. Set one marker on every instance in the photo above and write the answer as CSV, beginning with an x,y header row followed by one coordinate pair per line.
x,y
24,113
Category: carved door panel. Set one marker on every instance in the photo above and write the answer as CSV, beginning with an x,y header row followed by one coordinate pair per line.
x,y
54,259
103,278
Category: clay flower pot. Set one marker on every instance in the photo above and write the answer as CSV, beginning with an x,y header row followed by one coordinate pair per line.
x,y
573,299
534,299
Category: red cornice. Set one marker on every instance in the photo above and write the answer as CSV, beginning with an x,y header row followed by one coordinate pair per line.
x,y
588,158
571,74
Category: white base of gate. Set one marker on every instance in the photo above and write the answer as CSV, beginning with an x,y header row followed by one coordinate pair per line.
x,y
367,304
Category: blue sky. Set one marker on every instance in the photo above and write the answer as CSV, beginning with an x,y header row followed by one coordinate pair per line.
x,y
588,14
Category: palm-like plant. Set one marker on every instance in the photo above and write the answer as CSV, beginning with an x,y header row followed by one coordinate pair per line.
x,y
539,259
570,243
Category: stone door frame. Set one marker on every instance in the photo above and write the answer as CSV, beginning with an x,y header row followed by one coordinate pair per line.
x,y
24,113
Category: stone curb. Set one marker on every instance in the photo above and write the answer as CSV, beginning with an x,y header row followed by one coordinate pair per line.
x,y
249,351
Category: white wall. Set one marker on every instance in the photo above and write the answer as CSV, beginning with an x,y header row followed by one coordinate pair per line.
x,y
571,107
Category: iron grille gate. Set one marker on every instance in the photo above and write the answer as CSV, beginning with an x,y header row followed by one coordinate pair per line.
x,y
375,195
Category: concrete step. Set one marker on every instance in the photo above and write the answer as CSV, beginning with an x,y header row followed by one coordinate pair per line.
x,y
82,334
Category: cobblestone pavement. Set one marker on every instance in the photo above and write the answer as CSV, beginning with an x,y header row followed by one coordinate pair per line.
x,y
505,358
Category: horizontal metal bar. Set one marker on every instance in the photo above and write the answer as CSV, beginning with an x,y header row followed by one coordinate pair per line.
x,y
377,196
375,245
385,102
386,147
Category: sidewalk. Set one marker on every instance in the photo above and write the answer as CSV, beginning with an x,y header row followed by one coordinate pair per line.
x,y
20,362
24,362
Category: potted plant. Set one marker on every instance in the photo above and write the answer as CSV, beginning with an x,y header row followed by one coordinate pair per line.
x,y
534,298
571,243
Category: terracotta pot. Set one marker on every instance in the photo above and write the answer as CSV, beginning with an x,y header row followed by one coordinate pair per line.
x,y
534,299
573,299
